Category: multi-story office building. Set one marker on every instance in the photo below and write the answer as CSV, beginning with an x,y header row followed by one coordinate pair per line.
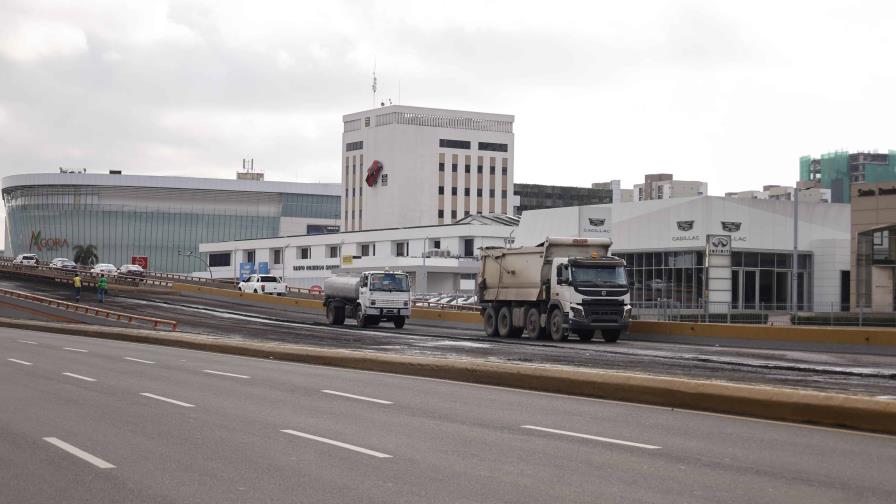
x,y
809,192
414,166
153,217
659,186
838,170
620,195
536,196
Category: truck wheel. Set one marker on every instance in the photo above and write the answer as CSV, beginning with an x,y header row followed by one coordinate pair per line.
x,y
610,335
255,291
505,322
340,315
490,322
362,319
555,324
585,335
399,322
533,324
331,313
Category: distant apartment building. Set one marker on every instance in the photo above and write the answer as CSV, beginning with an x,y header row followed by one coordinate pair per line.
x,y
659,186
537,196
620,195
838,170
810,192
413,166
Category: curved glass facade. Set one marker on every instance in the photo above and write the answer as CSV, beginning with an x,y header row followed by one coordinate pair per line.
x,y
121,222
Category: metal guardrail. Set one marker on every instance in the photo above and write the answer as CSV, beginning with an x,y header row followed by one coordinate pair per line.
x,y
445,306
90,310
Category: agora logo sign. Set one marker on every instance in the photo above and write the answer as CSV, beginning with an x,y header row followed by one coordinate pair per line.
x,y
40,243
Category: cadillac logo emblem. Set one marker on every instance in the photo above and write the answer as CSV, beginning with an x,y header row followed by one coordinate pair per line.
x,y
730,226
373,173
685,225
596,222
720,242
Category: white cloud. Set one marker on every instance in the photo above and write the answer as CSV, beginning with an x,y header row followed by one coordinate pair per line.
x,y
24,39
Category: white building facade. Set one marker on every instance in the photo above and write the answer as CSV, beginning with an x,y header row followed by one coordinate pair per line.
x,y
666,244
439,259
414,166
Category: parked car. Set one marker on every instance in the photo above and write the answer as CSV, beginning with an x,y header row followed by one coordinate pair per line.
x,y
131,270
63,263
104,268
26,259
263,284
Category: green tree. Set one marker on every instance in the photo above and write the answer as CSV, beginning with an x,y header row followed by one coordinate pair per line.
x,y
85,255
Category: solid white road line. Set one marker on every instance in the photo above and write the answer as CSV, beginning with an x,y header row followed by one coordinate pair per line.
x,y
337,443
20,361
356,396
73,375
102,464
73,349
225,374
139,360
29,342
172,401
586,436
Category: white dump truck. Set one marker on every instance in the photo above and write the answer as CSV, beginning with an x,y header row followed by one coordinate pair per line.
x,y
562,286
369,298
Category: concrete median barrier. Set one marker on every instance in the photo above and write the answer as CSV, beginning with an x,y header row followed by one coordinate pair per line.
x,y
790,405
797,334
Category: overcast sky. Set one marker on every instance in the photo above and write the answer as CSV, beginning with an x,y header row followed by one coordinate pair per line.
x,y
727,93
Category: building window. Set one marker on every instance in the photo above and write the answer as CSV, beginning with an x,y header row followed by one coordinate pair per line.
x,y
453,214
454,144
479,169
333,251
504,194
367,122
491,170
437,244
441,214
441,189
368,249
353,146
441,166
278,255
494,147
454,191
250,256
468,247
454,167
303,253
466,191
503,170
401,249
491,193
479,192
219,260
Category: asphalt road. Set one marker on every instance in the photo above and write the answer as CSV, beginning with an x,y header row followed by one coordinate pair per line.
x,y
185,426
860,374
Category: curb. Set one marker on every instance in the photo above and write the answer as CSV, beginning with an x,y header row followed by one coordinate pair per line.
x,y
788,405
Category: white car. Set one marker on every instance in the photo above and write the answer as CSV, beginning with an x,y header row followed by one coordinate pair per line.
x,y
263,284
104,268
26,259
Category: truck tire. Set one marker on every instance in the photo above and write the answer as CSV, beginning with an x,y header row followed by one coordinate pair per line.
x,y
555,325
533,324
335,314
505,322
361,319
399,322
585,334
610,335
490,322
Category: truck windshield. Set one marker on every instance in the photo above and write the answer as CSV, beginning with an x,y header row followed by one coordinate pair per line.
x,y
390,282
613,276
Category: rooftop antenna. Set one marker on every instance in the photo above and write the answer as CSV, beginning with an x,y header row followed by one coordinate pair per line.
x,y
374,82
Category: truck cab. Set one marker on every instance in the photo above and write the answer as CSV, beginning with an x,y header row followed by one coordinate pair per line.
x,y
593,292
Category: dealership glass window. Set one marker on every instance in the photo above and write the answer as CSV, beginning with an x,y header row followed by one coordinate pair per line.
x,y
277,255
333,251
666,277
219,259
762,281
303,253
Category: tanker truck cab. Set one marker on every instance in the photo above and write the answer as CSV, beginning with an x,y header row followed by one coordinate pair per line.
x,y
369,298
593,293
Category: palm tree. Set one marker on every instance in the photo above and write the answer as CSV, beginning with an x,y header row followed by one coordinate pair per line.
x,y
85,255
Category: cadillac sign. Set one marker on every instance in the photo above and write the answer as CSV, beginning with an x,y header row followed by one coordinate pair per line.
x,y
730,226
685,225
596,222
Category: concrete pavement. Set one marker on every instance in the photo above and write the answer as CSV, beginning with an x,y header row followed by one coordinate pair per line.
x,y
445,441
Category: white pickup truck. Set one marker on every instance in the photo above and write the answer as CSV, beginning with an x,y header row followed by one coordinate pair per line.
x,y
263,284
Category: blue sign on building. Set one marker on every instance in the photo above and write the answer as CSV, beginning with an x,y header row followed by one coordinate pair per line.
x,y
263,268
246,269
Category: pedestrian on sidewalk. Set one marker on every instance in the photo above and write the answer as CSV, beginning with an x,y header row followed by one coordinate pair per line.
x,y
101,288
77,283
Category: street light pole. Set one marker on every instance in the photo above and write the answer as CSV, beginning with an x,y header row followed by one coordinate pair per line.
x,y
794,280
189,253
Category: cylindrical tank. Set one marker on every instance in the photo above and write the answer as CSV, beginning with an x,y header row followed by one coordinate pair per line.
x,y
344,286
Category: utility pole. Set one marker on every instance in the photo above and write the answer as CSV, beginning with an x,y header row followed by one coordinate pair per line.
x,y
794,280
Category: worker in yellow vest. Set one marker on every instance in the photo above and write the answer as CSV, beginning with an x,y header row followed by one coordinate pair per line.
x,y
77,283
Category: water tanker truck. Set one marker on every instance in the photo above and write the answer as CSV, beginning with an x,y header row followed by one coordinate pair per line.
x,y
562,286
369,298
